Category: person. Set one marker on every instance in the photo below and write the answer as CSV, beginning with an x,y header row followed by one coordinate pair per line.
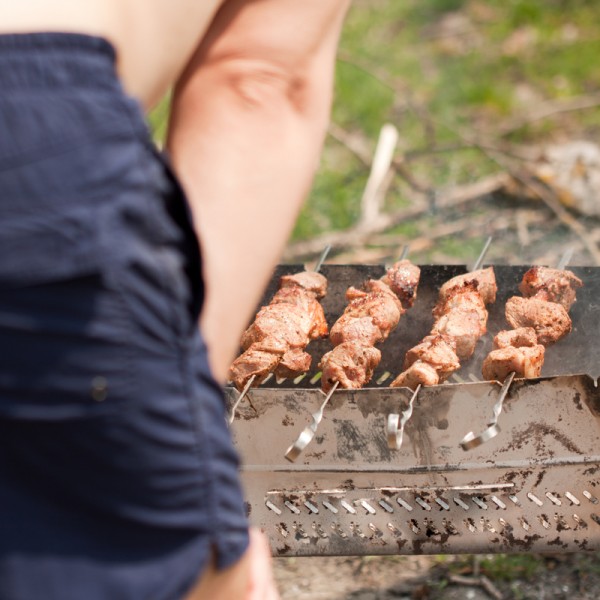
x,y
118,478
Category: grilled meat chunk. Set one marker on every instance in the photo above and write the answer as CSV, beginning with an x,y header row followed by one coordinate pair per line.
x,y
311,281
381,309
253,361
275,341
293,363
464,327
549,319
403,279
465,298
419,372
552,285
439,351
349,363
525,361
516,338
484,280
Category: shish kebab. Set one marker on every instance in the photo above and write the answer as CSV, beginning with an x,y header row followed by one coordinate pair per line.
x,y
539,318
460,321
372,312
276,339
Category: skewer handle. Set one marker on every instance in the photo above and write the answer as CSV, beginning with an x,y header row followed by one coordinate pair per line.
x,y
396,424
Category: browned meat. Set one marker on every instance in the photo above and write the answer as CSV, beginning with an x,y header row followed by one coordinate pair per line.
x,y
309,280
275,341
372,312
293,363
516,338
403,279
253,362
463,299
436,350
485,281
552,285
284,321
549,319
418,373
525,361
464,327
349,363
368,319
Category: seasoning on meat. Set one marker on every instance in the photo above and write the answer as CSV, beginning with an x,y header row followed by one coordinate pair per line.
x,y
539,319
275,341
370,315
460,321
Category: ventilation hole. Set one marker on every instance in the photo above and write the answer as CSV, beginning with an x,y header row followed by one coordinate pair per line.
x,y
443,503
282,529
573,499
474,378
525,524
544,521
470,525
319,530
386,506
561,524
487,525
404,504
595,518
293,508
311,507
449,527
395,531
514,499
348,507
579,522
279,380
316,377
330,507
414,526
298,379
498,502
460,503
338,530
378,533
272,507
383,377
554,499
267,378
422,503
368,507
458,379
430,529
479,502
590,497
535,499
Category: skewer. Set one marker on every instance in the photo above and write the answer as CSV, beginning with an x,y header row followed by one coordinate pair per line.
x,y
250,381
395,424
471,441
308,433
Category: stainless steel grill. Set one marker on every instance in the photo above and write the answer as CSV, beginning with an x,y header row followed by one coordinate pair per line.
x,y
534,487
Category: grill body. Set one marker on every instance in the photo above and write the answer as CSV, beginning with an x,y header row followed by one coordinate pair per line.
x,y
534,487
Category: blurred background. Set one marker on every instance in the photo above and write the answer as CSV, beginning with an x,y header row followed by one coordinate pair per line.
x,y
455,120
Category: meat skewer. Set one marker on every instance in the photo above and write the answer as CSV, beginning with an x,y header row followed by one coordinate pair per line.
x,y
461,320
539,318
275,341
435,358
371,314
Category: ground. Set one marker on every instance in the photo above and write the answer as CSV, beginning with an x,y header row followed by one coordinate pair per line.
x,y
515,577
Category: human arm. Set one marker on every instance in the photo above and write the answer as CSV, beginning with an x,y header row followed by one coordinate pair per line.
x,y
249,116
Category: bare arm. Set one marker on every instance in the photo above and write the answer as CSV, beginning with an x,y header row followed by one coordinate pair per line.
x,y
248,122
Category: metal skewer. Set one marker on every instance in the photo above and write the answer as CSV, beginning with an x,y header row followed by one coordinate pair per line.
x,y
482,254
308,433
470,440
395,424
251,380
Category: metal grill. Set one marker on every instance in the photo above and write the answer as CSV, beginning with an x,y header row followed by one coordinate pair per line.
x,y
532,488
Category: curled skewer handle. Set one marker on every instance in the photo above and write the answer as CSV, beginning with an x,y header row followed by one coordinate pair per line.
x,y
395,423
308,433
240,398
470,440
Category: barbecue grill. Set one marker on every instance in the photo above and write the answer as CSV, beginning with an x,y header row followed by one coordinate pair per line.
x,y
532,488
